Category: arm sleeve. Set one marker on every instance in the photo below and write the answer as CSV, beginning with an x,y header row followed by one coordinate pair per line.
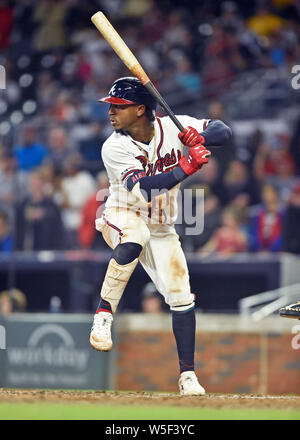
x,y
151,186
124,167
216,133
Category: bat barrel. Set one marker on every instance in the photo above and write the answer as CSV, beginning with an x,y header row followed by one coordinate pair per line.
x,y
123,51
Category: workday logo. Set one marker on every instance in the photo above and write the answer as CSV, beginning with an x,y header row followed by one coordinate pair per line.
x,y
2,77
2,338
52,346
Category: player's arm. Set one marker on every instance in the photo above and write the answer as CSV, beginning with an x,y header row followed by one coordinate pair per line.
x,y
215,133
149,186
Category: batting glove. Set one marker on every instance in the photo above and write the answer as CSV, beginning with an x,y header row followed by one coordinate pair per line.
x,y
190,137
198,156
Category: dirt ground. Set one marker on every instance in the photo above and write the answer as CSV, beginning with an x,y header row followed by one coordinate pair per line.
x,y
148,398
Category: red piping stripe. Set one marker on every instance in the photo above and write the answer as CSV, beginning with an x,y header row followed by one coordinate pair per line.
x,y
113,226
103,310
161,137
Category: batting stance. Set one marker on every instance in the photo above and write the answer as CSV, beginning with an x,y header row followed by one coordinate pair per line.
x,y
145,164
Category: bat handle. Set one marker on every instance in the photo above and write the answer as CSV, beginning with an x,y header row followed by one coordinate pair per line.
x,y
154,92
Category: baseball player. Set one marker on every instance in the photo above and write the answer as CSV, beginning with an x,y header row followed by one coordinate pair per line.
x,y
145,164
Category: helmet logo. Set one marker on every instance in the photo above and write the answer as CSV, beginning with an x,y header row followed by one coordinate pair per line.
x,y
113,90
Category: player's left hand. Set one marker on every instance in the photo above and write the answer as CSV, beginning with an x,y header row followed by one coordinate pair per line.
x,y
190,137
197,157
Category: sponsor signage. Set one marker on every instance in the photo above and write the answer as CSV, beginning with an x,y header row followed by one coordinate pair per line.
x,y
52,351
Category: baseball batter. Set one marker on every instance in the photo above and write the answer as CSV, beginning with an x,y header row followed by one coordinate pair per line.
x,y
145,164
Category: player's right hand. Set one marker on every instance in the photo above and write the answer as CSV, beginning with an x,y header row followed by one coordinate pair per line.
x,y
197,156
190,137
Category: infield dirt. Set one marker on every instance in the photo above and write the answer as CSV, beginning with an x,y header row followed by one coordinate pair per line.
x,y
147,398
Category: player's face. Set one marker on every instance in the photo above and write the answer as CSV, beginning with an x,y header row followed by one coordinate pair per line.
x,y
122,117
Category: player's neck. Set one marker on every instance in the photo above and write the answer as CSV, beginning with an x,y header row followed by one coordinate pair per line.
x,y
142,132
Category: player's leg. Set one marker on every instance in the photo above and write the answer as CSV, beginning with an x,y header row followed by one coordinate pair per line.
x,y
165,263
126,234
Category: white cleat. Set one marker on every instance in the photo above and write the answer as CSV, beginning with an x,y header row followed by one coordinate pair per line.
x,y
100,337
189,385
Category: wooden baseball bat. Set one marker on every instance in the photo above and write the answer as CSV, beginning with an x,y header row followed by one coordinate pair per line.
x,y
120,47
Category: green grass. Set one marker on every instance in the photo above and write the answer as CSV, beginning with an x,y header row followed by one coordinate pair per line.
x,y
92,411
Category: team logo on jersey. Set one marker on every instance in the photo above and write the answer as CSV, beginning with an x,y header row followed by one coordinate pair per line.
x,y
162,164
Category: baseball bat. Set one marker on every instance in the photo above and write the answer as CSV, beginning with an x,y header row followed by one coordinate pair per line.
x,y
120,47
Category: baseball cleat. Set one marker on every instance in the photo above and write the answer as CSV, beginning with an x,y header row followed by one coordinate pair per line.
x,y
291,311
100,337
189,385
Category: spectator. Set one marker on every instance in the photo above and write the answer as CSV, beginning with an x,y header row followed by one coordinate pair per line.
x,y
58,147
209,179
49,16
38,220
230,18
248,151
77,186
30,153
6,24
12,301
266,226
87,234
212,221
64,109
47,90
277,49
274,164
227,153
294,147
90,148
209,182
48,175
151,302
84,67
237,181
6,240
264,23
284,179
136,8
187,79
175,30
217,76
12,184
205,187
291,222
229,238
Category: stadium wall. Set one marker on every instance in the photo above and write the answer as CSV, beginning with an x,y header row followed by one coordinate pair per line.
x,y
233,354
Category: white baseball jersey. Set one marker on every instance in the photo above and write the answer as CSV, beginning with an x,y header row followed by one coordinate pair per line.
x,y
123,156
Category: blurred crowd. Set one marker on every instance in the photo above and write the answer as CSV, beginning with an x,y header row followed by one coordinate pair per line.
x,y
52,127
